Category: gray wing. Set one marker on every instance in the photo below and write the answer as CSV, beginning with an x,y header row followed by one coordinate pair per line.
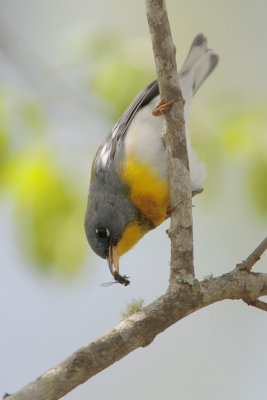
x,y
107,151
199,63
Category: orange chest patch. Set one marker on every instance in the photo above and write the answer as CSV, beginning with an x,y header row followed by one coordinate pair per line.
x,y
148,191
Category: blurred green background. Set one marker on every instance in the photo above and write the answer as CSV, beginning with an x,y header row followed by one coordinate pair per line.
x,y
67,72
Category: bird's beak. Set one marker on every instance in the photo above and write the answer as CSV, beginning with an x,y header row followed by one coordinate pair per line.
x,y
113,259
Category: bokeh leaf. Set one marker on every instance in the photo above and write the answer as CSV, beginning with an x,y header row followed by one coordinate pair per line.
x,y
116,76
49,212
118,82
33,117
4,139
257,184
235,136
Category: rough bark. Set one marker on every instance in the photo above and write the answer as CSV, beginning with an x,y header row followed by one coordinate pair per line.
x,y
180,231
185,294
140,329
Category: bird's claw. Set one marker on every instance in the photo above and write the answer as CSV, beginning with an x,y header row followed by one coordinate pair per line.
x,y
162,107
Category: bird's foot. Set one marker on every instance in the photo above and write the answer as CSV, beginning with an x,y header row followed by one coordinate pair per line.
x,y
169,210
162,107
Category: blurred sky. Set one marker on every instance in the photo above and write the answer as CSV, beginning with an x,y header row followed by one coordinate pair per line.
x,y
217,353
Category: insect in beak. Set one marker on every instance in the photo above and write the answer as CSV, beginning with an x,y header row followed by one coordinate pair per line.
x,y
113,263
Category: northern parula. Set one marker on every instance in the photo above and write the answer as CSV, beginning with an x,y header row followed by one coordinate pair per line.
x,y
129,189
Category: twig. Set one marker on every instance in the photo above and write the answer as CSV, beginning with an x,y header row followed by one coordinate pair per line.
x,y
255,256
258,304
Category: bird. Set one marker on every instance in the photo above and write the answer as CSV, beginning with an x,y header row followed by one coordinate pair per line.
x,y
129,192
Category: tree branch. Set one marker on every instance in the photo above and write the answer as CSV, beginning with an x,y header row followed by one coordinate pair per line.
x,y
141,328
180,232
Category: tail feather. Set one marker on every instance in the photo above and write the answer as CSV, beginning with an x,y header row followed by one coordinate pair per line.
x,y
203,68
199,63
197,49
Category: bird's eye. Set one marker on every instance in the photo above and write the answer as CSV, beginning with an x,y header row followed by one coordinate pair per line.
x,y
102,233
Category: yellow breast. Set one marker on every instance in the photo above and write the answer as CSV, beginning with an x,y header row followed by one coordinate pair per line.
x,y
132,234
149,192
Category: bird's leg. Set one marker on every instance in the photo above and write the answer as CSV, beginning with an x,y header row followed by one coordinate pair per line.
x,y
169,210
162,107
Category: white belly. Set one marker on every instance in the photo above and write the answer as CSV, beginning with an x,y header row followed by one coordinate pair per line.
x,y
144,141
